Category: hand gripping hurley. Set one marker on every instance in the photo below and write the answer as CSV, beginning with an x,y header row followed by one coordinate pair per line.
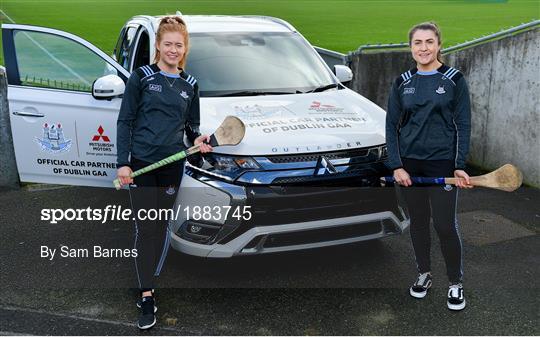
x,y
506,178
230,132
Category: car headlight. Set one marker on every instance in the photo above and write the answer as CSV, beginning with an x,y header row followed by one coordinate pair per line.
x,y
229,166
383,152
378,153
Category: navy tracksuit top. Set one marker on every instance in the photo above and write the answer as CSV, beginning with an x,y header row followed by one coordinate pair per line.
x,y
157,108
428,117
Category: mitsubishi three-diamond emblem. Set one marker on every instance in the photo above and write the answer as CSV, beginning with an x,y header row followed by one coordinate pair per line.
x,y
324,166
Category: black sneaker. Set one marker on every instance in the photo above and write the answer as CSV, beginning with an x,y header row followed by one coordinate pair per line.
x,y
456,298
147,318
420,288
139,302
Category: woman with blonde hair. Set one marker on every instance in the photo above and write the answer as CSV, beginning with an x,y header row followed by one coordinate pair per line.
x,y
160,104
428,127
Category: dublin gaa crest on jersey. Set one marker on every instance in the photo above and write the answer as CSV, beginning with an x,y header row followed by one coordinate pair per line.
x,y
184,94
170,190
53,140
440,90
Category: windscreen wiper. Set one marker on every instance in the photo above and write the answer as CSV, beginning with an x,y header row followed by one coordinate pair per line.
x,y
324,88
253,93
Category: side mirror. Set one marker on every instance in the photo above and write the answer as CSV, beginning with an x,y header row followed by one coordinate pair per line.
x,y
343,73
108,87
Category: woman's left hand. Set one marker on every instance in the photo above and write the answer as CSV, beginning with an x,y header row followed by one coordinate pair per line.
x,y
204,147
463,180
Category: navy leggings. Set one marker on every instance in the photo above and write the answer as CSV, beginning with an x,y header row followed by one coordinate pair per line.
x,y
438,203
154,190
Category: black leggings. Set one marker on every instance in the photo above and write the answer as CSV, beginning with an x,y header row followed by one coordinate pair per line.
x,y
443,201
154,190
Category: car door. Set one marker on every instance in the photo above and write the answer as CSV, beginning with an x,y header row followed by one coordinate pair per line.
x,y
61,133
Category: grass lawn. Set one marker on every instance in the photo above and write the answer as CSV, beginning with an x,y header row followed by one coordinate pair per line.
x,y
340,25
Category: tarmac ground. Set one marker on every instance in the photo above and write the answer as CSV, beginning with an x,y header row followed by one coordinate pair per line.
x,y
355,289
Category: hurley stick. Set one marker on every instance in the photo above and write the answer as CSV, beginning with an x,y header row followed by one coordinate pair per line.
x,y
506,178
230,132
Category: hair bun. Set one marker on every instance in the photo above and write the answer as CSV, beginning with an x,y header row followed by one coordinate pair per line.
x,y
172,20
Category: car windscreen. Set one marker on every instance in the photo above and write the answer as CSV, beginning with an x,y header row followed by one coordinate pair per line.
x,y
226,64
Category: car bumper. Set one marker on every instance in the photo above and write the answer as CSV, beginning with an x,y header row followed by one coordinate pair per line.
x,y
259,240
283,219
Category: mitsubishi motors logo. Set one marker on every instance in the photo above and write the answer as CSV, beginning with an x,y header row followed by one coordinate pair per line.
x,y
319,107
317,104
324,167
100,145
100,135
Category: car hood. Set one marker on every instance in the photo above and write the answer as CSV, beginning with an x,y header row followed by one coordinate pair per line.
x,y
297,123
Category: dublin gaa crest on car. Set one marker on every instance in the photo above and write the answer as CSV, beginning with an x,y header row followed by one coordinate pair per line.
x,y
53,140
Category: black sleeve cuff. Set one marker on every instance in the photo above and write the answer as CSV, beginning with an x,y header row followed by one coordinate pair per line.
x,y
191,133
393,167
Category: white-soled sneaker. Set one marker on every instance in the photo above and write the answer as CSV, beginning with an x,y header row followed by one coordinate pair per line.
x,y
147,319
420,288
139,302
456,298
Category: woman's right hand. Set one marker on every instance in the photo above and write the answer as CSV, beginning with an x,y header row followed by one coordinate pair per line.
x,y
123,174
402,177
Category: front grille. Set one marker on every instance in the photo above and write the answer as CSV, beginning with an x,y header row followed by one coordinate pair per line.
x,y
297,158
282,205
369,177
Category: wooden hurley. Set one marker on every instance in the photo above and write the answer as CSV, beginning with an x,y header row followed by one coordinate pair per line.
x,y
506,178
230,132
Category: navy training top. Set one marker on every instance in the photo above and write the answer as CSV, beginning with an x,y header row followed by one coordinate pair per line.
x,y
428,117
156,109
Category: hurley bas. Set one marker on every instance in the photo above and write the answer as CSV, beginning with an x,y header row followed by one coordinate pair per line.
x,y
97,251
